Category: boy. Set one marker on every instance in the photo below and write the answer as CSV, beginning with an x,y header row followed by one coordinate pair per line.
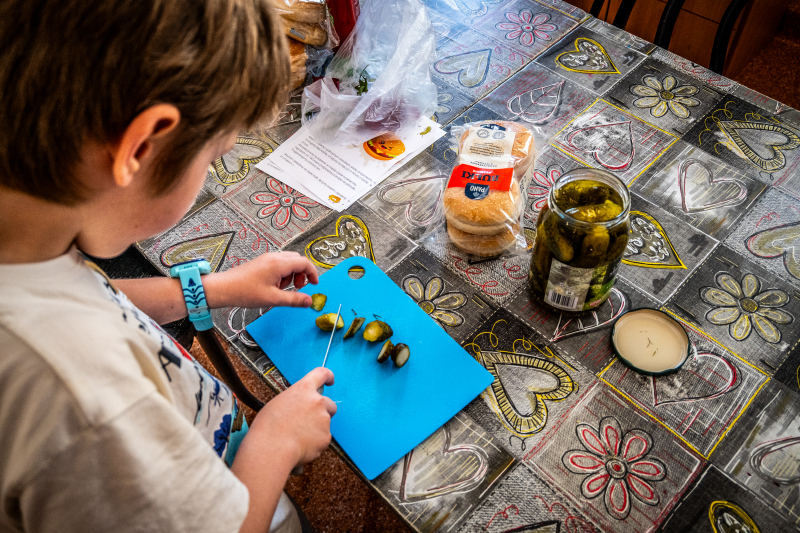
x,y
111,112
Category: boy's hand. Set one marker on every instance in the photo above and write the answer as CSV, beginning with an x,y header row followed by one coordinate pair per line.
x,y
298,420
260,282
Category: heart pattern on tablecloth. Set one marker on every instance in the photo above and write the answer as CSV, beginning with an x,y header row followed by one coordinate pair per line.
x,y
704,377
616,304
776,242
607,146
226,178
777,469
419,213
588,57
521,385
212,248
648,244
747,140
708,193
351,240
461,453
472,67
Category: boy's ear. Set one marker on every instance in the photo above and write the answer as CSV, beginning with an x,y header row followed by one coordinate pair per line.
x,y
138,140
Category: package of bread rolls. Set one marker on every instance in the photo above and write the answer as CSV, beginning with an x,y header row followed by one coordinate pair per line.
x,y
307,21
485,197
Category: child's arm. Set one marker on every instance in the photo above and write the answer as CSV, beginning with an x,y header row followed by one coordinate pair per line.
x,y
257,283
292,429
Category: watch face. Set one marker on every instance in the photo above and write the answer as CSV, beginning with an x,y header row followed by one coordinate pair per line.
x,y
202,265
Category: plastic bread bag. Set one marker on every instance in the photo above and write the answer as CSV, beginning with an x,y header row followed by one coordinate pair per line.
x,y
307,21
484,201
384,83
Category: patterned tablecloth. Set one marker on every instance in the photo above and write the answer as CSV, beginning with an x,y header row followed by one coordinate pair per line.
x,y
568,439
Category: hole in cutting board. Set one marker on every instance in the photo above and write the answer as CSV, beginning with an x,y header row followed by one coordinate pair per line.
x,y
356,272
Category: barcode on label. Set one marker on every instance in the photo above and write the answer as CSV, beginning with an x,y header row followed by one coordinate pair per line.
x,y
561,300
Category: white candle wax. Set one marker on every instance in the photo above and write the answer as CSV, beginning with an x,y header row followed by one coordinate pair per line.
x,y
650,340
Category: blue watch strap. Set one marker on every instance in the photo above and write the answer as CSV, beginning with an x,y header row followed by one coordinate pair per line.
x,y
193,293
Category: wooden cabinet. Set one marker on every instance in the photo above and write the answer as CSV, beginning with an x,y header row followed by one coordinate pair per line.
x,y
697,25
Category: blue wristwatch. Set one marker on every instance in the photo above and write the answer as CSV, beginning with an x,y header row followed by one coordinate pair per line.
x,y
189,273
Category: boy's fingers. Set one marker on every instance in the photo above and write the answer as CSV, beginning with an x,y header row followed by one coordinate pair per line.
x,y
312,276
299,280
301,265
292,299
320,376
330,406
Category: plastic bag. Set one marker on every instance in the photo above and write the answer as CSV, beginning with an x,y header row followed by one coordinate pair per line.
x,y
384,83
484,202
307,23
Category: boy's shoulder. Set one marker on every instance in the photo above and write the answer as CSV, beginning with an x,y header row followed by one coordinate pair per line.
x,y
64,318
107,354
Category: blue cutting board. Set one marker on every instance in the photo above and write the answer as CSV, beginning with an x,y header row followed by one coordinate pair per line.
x,y
383,411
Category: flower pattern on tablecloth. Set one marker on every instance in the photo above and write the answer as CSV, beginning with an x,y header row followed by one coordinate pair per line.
x,y
433,300
526,27
281,203
744,307
543,181
616,466
664,95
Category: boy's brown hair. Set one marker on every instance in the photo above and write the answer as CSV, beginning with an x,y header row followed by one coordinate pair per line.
x,y
73,71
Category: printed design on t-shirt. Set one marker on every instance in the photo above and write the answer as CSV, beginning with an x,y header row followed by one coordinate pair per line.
x,y
197,395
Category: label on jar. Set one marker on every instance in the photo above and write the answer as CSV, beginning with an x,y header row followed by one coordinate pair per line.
x,y
477,181
567,286
487,146
579,289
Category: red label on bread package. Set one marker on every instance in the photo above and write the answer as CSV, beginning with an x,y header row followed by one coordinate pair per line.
x,y
478,181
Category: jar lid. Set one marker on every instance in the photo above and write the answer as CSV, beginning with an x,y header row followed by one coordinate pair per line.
x,y
650,342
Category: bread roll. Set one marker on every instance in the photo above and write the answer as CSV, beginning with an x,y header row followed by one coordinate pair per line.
x,y
305,32
484,245
299,11
483,217
297,52
491,214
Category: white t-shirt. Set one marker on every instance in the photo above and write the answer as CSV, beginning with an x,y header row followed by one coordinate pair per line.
x,y
107,423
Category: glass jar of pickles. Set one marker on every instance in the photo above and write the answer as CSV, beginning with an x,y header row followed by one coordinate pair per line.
x,y
581,235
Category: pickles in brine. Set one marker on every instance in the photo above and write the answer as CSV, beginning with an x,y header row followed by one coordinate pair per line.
x,y
581,235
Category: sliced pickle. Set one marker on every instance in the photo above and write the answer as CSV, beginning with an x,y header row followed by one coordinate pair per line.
x,y
386,351
377,331
325,322
400,354
355,325
318,301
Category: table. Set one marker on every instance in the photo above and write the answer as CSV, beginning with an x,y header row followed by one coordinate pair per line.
x,y
568,439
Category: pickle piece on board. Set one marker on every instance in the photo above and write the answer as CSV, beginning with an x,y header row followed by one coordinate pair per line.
x,y
377,331
325,322
400,354
318,301
386,351
355,325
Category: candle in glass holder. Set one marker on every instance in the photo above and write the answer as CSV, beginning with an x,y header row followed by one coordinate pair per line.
x,y
650,341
